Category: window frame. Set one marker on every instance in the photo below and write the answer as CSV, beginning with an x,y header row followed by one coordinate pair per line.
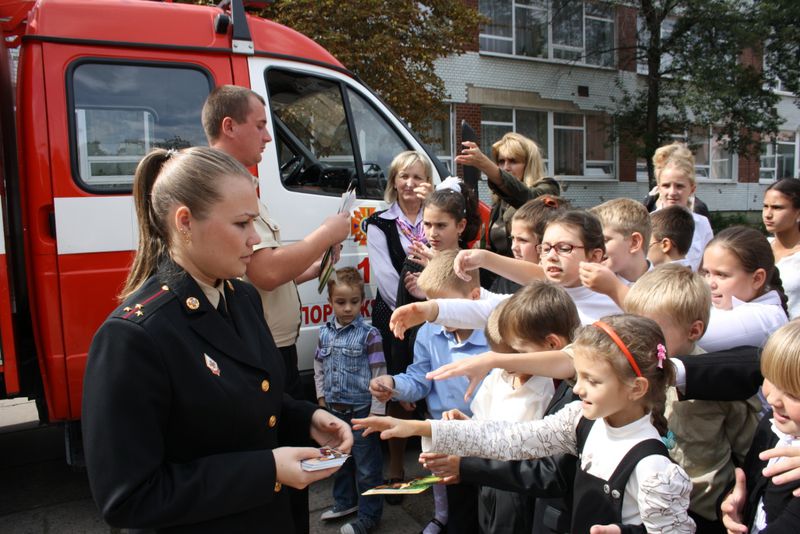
x,y
550,46
548,155
344,87
72,126
774,156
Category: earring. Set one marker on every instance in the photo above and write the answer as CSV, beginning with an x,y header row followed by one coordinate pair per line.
x,y
187,237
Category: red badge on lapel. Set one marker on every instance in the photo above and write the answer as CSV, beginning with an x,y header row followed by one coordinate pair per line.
x,y
211,364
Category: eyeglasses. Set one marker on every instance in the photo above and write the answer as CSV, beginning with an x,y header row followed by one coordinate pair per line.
x,y
562,249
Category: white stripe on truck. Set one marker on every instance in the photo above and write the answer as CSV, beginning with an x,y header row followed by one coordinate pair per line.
x,y
95,224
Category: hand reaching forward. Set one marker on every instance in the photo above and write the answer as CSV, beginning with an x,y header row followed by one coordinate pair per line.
x,y
475,368
411,315
389,427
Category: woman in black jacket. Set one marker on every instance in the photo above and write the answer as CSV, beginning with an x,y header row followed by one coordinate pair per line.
x,y
184,386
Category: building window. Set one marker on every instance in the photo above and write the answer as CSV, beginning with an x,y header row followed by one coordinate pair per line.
x,y
580,32
779,157
712,159
581,144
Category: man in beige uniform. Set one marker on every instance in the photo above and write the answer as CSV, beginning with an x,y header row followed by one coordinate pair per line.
x,y
235,121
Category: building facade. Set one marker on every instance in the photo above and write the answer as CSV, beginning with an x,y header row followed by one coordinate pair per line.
x,y
550,70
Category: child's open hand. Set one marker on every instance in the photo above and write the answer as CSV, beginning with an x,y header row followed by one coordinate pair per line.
x,y
454,415
411,286
411,315
468,260
733,505
446,466
475,368
785,471
419,253
382,387
389,427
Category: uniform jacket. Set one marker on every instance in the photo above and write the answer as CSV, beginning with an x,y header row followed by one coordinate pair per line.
x,y
181,410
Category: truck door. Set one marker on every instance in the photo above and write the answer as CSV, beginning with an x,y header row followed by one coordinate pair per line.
x,y
105,113
329,133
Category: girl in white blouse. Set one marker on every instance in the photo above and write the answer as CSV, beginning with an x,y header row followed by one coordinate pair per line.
x,y
747,297
625,475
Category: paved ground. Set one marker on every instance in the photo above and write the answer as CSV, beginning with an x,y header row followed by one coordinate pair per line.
x,y
40,494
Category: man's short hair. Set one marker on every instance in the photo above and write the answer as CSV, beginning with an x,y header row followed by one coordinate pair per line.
x,y
624,215
671,290
675,223
226,101
439,276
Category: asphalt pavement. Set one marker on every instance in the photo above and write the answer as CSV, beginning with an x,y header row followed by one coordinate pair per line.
x,y
41,494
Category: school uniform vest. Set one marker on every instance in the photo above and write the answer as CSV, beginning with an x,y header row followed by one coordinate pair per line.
x,y
599,502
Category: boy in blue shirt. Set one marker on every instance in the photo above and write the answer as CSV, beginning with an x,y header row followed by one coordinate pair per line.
x,y
436,346
348,356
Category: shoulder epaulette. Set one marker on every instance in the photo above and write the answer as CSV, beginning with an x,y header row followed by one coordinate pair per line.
x,y
136,309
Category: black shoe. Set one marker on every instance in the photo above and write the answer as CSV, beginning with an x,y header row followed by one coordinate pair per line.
x,y
394,498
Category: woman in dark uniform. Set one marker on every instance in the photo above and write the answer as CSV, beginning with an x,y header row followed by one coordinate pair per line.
x,y
183,392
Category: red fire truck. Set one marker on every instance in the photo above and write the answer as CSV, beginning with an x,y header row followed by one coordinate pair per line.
x,y
90,87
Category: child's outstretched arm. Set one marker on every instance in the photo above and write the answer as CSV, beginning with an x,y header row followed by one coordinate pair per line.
x,y
389,427
519,271
552,363
411,315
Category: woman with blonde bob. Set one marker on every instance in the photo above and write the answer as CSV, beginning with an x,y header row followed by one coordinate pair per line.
x,y
516,175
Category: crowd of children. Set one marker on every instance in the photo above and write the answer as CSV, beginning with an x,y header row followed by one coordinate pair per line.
x,y
586,415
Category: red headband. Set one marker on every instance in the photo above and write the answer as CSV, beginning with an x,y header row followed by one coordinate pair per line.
x,y
616,339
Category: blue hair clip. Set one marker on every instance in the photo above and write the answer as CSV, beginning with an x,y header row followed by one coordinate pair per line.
x,y
669,440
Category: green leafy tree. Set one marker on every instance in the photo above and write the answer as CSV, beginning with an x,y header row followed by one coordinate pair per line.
x,y
390,44
778,24
703,69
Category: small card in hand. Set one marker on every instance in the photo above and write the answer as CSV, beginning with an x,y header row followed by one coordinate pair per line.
x,y
416,485
327,459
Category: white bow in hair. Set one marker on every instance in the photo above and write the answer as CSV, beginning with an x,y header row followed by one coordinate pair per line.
x,y
451,182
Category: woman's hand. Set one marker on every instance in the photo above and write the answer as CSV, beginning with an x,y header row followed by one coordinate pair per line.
x,y
423,190
785,471
330,431
446,466
471,155
733,505
468,260
411,315
389,427
475,368
411,286
288,470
